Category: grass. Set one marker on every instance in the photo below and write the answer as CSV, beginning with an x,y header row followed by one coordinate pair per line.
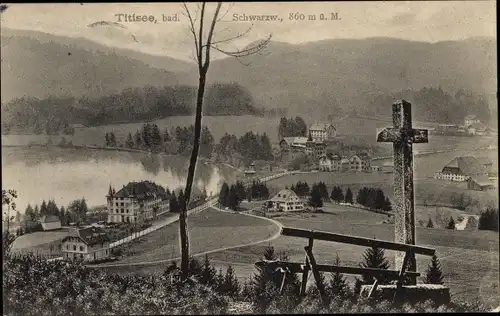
x,y
469,258
428,191
208,230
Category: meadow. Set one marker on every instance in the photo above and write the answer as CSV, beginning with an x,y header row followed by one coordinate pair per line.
x,y
469,258
208,230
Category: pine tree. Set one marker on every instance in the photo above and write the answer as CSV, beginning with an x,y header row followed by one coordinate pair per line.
x,y
338,286
230,285
451,223
208,273
138,140
430,224
130,142
334,195
374,257
348,196
43,209
219,281
434,274
488,220
233,198
112,139
174,204
316,200
29,214
387,205
246,292
155,136
106,137
224,195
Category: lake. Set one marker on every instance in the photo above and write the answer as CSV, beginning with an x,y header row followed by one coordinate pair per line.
x,y
65,174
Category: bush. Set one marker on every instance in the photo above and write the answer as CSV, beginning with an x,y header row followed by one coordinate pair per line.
x,y
36,287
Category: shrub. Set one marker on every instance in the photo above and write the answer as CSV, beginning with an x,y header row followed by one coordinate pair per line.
x,y
36,287
488,220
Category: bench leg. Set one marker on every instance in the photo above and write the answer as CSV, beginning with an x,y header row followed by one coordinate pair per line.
x,y
399,283
373,289
305,275
316,275
283,282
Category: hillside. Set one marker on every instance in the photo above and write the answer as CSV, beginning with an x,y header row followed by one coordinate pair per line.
x,y
314,79
311,76
36,64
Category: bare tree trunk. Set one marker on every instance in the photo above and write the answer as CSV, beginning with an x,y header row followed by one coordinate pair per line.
x,y
190,177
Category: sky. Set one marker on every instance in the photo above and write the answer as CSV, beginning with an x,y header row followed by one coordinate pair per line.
x,y
429,21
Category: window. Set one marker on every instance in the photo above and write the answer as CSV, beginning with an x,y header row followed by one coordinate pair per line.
x,y
81,248
74,247
67,246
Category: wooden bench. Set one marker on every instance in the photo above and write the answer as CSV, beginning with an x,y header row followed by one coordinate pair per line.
x,y
310,263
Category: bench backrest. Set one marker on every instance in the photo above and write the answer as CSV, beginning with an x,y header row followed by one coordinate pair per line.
x,y
354,240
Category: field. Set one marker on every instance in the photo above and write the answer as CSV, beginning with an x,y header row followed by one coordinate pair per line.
x,y
208,230
45,243
428,191
469,258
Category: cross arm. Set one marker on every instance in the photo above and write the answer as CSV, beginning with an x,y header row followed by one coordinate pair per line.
x,y
391,135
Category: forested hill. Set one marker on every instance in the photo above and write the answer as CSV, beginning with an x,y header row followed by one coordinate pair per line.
x,y
50,115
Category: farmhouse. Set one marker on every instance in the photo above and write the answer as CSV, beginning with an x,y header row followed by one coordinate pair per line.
x,y
360,162
286,201
476,129
50,222
87,244
136,202
480,183
322,132
461,168
344,164
471,119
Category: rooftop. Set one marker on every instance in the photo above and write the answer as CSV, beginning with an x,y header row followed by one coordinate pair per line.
x,y
90,236
283,195
144,190
49,219
467,165
320,126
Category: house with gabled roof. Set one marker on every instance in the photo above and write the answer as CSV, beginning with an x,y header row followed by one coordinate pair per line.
x,y
360,162
322,131
50,222
461,168
293,144
471,119
286,200
136,202
330,162
86,244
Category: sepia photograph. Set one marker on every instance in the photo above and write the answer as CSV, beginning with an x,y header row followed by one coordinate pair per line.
x,y
245,158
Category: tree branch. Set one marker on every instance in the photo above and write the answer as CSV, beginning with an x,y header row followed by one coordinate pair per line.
x,y
200,40
234,37
245,52
191,22
209,39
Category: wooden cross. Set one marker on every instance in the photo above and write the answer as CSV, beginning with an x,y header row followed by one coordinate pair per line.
x,y
402,135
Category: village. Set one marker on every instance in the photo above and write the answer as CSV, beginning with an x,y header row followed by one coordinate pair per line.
x,y
218,166
139,204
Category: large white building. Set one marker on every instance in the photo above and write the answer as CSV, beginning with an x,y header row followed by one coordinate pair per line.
x,y
286,201
322,132
88,244
136,202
